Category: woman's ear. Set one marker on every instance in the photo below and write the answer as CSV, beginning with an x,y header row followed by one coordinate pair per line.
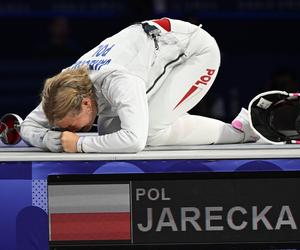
x,y
86,104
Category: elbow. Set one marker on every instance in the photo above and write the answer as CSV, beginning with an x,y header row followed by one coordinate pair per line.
x,y
137,144
139,147
31,136
26,134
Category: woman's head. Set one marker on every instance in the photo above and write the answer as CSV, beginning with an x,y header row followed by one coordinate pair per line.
x,y
66,95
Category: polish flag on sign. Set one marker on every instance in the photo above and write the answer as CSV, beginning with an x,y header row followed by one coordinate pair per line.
x,y
89,212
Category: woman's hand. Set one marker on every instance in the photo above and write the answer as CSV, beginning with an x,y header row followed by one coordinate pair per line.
x,y
69,141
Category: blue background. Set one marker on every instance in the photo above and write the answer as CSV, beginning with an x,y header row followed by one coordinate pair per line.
x,y
23,189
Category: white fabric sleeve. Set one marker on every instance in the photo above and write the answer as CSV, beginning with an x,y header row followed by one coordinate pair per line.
x,y
127,95
35,127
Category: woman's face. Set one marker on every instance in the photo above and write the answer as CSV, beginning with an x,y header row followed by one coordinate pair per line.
x,y
82,121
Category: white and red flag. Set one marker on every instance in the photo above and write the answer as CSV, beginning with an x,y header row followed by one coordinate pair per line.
x,y
89,212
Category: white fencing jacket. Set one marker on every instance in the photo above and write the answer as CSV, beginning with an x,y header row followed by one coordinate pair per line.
x,y
126,70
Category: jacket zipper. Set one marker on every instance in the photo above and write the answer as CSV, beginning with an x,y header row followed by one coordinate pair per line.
x,y
164,71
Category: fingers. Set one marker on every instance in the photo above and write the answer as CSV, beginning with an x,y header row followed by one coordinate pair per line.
x,y
52,141
54,134
65,136
57,141
56,148
69,141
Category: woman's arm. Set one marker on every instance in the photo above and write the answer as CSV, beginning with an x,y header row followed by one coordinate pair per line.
x,y
127,95
35,130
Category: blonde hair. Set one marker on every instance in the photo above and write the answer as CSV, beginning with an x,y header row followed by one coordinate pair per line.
x,y
62,94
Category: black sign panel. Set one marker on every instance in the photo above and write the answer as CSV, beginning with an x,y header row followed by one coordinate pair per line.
x,y
213,211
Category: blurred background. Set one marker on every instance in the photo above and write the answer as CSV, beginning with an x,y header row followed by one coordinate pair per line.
x,y
259,42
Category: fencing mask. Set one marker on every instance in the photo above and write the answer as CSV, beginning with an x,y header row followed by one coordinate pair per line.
x,y
275,116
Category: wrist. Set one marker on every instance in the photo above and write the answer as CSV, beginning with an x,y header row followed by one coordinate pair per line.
x,y
80,144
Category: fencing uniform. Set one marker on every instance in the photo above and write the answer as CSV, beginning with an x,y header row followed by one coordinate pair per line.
x,y
146,78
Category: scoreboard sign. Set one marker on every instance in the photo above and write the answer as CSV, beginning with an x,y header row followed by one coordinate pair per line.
x,y
175,209
215,211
